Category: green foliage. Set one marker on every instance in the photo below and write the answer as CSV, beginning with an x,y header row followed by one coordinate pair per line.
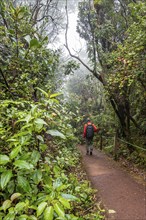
x,y
37,154
26,62
128,65
71,67
116,31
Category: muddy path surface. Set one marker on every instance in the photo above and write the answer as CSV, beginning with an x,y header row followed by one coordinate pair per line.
x,y
121,194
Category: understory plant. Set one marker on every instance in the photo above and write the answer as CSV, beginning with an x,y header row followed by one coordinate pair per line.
x,y
39,163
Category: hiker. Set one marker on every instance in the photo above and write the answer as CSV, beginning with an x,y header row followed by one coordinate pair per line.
x,y
89,129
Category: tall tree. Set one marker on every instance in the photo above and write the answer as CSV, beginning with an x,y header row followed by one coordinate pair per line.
x,y
25,60
104,25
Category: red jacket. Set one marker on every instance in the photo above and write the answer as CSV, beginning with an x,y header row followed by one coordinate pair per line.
x,y
85,127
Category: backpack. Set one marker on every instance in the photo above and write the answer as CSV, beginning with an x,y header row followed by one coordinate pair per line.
x,y
89,132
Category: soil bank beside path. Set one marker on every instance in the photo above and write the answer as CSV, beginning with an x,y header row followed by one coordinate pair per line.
x,y
119,191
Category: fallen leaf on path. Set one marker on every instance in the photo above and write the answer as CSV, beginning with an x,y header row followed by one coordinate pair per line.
x,y
110,211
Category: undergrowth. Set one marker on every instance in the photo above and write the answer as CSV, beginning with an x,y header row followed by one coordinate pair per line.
x,y
41,177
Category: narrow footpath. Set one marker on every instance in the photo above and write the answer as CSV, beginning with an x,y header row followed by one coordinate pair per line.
x,y
120,193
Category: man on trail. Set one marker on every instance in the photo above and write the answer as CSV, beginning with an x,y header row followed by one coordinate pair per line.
x,y
89,129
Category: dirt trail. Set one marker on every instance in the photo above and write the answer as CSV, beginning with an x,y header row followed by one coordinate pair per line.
x,y
117,189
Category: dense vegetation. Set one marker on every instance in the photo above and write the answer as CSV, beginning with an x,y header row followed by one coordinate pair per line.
x,y
39,126
38,162
40,169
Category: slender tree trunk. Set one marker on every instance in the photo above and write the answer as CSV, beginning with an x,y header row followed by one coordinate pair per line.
x,y
116,144
34,95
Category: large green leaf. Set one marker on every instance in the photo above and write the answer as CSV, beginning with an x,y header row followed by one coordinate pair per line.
x,y
23,217
57,170
55,95
11,186
6,204
34,43
15,152
48,213
15,196
10,216
22,164
27,38
20,206
34,109
5,178
64,202
40,121
56,133
24,184
41,208
39,137
37,176
2,169
57,183
2,215
28,118
21,12
69,197
45,93
4,159
35,156
59,210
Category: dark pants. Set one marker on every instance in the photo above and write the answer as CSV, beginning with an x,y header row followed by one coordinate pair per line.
x,y
89,145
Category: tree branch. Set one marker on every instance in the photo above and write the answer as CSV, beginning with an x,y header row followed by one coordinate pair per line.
x,y
6,83
124,14
94,72
136,125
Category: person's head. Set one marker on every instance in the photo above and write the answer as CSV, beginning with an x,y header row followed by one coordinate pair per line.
x,y
88,119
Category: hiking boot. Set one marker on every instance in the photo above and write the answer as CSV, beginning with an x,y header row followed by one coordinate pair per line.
x,y
91,153
87,152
